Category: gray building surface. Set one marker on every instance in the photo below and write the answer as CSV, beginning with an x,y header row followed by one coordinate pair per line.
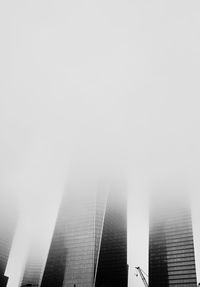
x,y
3,280
8,223
112,268
33,267
89,245
171,247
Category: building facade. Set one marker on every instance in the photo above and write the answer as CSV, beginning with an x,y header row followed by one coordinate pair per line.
x,y
8,223
171,247
89,248
112,269
3,280
33,267
31,274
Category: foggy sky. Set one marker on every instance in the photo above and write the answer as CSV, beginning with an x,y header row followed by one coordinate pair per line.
x,y
107,84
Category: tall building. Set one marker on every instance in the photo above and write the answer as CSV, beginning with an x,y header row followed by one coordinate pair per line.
x,y
171,247
8,221
89,245
112,268
33,267
3,280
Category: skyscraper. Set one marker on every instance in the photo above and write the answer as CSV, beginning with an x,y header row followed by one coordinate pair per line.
x,y
8,221
3,280
171,248
32,273
89,245
112,263
33,266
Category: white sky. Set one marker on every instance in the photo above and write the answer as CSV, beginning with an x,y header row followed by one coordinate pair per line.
x,y
112,81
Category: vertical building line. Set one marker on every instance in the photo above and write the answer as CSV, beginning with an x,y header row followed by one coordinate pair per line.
x,y
102,225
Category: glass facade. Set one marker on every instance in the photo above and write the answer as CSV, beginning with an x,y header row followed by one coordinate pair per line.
x,y
3,280
112,264
8,221
87,235
33,268
171,248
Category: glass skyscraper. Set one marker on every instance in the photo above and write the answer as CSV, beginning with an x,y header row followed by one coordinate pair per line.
x,y
112,264
8,222
89,245
3,280
33,266
171,247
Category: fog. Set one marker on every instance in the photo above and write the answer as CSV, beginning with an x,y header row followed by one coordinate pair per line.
x,y
108,87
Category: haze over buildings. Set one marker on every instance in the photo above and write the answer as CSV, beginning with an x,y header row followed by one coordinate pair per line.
x,y
89,245
108,79
34,265
171,244
8,223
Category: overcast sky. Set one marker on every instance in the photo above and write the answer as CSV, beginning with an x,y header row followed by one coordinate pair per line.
x,y
110,83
